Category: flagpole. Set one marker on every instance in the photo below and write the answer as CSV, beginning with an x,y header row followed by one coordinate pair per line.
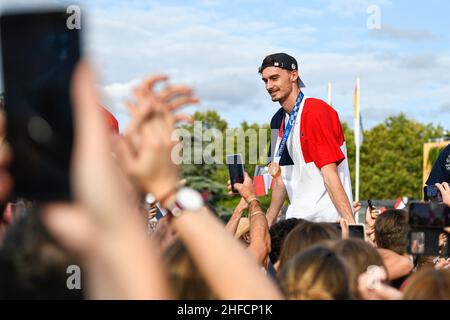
x,y
357,138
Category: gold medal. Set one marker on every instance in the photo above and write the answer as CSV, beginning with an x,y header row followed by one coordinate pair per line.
x,y
274,169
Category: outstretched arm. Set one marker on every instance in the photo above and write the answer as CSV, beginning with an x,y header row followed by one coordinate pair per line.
x,y
259,229
226,266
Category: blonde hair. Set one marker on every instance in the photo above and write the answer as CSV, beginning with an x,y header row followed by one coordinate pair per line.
x,y
186,280
428,284
304,236
316,274
359,256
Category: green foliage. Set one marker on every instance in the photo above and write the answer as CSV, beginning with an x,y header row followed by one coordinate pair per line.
x,y
433,155
391,160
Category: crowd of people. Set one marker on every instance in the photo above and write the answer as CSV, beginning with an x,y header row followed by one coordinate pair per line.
x,y
189,253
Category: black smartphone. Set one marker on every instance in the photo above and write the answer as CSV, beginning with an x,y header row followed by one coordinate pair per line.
x,y
429,215
432,193
39,53
355,230
235,169
370,204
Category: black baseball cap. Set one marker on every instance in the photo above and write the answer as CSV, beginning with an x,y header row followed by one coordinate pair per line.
x,y
281,60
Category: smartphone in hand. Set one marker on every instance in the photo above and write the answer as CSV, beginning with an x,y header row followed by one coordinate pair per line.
x,y
432,193
356,230
235,169
39,54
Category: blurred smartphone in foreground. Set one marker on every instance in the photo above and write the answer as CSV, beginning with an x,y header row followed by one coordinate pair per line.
x,y
429,215
39,54
235,169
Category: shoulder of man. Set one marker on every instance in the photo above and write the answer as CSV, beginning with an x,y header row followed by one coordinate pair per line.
x,y
447,150
318,107
277,118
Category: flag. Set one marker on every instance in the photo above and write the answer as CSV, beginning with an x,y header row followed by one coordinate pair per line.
x,y
401,203
262,181
358,118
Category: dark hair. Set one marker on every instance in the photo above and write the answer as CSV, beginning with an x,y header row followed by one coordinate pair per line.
x,y
391,228
278,233
359,256
303,237
186,280
32,264
318,273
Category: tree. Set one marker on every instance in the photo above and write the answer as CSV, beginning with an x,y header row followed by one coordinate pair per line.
x,y
202,176
391,158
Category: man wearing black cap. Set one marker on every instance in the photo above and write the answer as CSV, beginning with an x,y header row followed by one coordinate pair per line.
x,y
441,168
308,157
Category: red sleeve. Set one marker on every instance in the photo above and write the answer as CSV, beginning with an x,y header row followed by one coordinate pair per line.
x,y
325,135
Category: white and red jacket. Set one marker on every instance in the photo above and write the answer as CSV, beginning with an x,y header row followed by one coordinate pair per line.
x,y
316,140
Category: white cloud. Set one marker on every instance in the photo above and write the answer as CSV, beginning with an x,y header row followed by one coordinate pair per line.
x,y
396,33
220,57
350,7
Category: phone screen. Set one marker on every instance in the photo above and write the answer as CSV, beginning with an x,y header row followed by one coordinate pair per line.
x,y
236,169
429,215
355,230
432,193
39,54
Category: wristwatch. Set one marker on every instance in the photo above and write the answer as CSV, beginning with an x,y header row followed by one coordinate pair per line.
x,y
186,199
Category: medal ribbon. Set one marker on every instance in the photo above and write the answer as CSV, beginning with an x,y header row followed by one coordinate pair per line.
x,y
288,129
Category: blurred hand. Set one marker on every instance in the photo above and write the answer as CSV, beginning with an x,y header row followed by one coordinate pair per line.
x,y
145,152
371,286
371,216
344,228
356,207
152,210
245,189
442,264
102,226
171,98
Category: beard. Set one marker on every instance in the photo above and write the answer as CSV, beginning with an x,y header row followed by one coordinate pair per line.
x,y
278,96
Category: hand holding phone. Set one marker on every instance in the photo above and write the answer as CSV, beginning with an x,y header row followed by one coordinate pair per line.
x,y
236,170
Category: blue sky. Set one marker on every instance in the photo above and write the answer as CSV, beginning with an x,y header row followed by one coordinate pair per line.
x,y
216,46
